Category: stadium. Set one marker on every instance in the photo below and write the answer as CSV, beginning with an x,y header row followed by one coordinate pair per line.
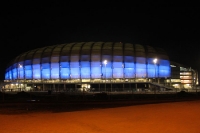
x,y
97,67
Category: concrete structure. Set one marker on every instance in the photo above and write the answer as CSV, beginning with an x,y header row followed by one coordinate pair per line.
x,y
183,77
96,66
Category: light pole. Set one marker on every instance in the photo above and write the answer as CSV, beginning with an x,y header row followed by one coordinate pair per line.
x,y
155,61
105,62
19,69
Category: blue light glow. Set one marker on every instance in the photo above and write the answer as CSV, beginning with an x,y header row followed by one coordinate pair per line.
x,y
96,70
64,73
55,67
129,73
28,72
36,71
164,69
118,70
75,73
141,70
87,69
45,70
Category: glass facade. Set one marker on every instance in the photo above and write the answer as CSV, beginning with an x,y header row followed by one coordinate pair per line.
x,y
84,60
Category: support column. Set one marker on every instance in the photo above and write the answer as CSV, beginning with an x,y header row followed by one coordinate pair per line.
x,y
64,86
111,88
33,86
43,87
53,87
136,86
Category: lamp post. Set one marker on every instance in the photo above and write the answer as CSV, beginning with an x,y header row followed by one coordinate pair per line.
x,y
105,62
19,67
155,61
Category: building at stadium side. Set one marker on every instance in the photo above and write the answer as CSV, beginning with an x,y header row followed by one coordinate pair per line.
x,y
97,66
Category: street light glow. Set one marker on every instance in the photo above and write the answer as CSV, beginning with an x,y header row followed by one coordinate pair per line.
x,y
20,65
155,60
105,62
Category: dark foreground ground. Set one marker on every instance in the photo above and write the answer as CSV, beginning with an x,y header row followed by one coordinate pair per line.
x,y
25,102
168,117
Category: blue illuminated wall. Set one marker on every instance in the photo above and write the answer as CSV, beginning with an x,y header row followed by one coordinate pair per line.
x,y
62,70
88,66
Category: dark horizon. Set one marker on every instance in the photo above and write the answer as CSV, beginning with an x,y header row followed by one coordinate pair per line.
x,y
175,29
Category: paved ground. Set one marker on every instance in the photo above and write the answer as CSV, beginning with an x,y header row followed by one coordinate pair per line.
x,y
175,117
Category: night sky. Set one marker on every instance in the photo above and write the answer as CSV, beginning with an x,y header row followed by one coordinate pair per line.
x,y
171,26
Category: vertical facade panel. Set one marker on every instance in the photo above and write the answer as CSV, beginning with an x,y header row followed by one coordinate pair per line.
x,y
8,74
28,64
46,63
96,72
21,66
107,55
118,64
85,60
20,70
55,67
55,62
140,65
65,61
14,71
129,61
36,69
152,69
75,61
45,68
28,69
36,64
64,69
164,68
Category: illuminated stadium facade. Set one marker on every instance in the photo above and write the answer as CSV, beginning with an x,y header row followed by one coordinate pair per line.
x,y
90,66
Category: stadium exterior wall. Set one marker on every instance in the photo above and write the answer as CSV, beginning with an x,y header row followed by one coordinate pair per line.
x,y
90,65
85,60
